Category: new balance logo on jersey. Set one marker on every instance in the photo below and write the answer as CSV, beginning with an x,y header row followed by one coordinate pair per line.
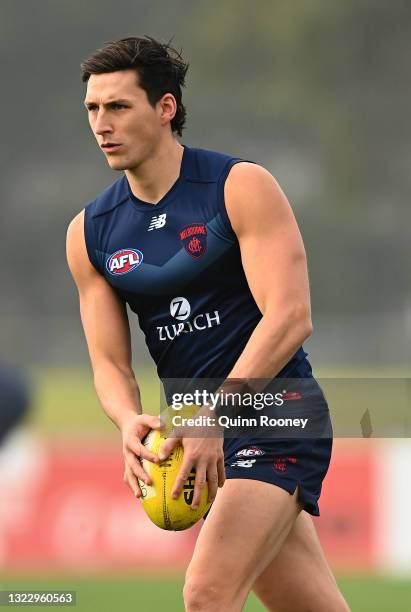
x,y
157,222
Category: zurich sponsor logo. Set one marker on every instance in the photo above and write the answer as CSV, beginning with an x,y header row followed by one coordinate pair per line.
x,y
124,261
253,451
181,310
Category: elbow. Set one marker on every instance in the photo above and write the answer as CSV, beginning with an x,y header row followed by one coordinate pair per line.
x,y
105,369
306,329
301,323
295,322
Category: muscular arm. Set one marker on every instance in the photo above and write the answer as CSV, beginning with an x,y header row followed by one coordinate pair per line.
x,y
274,262
107,333
106,328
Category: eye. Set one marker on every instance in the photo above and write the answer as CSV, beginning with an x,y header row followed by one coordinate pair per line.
x,y
91,107
117,106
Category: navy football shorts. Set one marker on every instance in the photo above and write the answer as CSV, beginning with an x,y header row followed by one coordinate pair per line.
x,y
287,462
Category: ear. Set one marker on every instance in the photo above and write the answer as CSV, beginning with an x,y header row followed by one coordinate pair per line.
x,y
167,106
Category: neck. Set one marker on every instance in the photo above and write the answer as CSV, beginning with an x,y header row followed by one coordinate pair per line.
x,y
151,180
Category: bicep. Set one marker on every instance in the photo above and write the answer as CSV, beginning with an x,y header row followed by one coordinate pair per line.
x,y
103,313
272,249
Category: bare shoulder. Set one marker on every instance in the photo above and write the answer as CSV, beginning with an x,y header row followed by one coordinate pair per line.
x,y
252,195
77,257
75,229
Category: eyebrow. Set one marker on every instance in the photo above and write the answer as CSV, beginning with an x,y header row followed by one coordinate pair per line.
x,y
116,101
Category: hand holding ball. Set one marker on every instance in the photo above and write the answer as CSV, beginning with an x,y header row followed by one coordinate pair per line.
x,y
165,512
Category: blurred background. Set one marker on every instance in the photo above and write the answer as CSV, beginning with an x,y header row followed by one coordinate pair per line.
x,y
316,91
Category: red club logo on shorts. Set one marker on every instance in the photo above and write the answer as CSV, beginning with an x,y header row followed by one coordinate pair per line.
x,y
292,395
281,463
194,239
124,261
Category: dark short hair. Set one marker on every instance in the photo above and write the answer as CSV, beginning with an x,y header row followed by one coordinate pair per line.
x,y
160,68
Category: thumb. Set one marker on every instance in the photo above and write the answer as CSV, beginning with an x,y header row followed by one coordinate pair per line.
x,y
166,447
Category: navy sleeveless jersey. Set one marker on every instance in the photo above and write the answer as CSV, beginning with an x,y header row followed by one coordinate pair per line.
x,y
178,266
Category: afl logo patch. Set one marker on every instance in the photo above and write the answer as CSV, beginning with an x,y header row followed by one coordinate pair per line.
x,y
194,239
124,261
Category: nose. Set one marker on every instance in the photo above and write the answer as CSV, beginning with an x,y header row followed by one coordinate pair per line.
x,y
102,125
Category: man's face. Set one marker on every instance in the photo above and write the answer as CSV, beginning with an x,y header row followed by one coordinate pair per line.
x,y
126,126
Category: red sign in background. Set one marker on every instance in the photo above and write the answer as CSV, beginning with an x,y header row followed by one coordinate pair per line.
x,y
66,508
347,526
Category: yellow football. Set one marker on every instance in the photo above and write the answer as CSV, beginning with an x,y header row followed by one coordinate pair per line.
x,y
165,512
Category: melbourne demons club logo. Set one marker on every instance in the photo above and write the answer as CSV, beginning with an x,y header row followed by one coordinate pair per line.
x,y
124,261
281,463
194,239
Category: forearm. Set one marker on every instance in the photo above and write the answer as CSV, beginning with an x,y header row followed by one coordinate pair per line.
x,y
118,392
272,344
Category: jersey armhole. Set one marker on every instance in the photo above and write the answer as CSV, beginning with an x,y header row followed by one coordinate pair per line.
x,y
90,240
221,199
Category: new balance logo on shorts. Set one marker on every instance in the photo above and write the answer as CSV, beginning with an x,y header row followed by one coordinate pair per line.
x,y
244,463
157,222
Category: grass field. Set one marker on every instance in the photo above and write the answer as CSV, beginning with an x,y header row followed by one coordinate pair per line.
x,y
364,594
65,401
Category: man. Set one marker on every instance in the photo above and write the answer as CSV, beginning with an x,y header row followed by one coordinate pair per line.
x,y
205,249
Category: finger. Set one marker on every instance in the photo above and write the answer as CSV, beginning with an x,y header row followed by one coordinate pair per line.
x,y
200,481
221,472
212,480
167,446
136,468
139,450
153,422
147,454
132,482
181,477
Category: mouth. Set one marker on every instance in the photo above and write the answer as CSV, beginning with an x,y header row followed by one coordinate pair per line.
x,y
110,147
